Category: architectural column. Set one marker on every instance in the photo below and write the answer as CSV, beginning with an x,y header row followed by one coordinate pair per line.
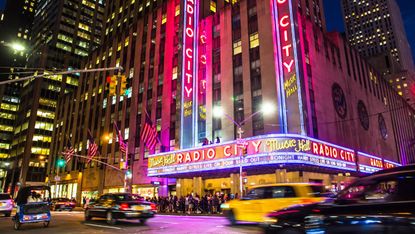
x,y
184,187
234,184
198,186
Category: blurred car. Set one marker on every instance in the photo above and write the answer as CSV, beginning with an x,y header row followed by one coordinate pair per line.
x,y
6,204
383,202
63,204
120,206
260,200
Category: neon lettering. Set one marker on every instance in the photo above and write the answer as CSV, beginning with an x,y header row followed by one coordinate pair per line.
x,y
288,66
284,21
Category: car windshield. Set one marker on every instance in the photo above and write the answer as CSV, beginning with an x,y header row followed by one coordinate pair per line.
x,y
5,197
319,191
128,197
394,188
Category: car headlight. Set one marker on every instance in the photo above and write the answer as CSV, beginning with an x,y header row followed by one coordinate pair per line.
x,y
224,206
268,220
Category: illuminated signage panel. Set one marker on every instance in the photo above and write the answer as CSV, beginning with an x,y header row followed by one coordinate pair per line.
x,y
268,149
368,163
287,66
189,71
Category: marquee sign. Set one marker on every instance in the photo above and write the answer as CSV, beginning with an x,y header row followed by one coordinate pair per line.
x,y
189,74
286,63
368,163
267,149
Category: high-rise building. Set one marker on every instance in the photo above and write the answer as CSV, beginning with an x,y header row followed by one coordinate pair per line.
x,y
15,24
375,28
64,32
333,111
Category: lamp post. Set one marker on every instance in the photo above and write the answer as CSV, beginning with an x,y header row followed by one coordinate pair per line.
x,y
127,173
266,108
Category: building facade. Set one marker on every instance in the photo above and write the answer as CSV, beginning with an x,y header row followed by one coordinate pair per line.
x,y
15,23
376,30
183,58
63,33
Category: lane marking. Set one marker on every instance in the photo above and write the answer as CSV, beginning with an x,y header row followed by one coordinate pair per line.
x,y
219,226
102,226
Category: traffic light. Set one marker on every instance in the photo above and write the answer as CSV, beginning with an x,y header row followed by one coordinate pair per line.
x,y
60,163
123,87
113,85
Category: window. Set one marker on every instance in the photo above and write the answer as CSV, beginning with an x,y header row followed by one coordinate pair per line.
x,y
282,192
253,40
258,193
237,47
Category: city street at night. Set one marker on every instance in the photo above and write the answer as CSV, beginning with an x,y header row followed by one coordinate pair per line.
x,y
73,222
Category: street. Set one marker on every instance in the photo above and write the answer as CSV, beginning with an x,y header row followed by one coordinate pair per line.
x,y
73,222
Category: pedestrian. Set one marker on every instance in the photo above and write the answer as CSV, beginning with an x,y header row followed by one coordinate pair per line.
x,y
84,200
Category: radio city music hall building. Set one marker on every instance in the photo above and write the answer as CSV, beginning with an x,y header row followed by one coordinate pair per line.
x,y
335,116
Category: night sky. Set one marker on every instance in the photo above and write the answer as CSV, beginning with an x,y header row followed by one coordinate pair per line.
x,y
335,21
334,18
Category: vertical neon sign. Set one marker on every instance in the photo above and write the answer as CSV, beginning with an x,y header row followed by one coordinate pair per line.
x,y
188,130
287,66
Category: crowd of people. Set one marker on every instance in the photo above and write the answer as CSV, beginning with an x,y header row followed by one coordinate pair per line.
x,y
191,204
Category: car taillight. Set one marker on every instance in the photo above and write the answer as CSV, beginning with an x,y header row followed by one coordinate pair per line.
x,y
153,206
124,206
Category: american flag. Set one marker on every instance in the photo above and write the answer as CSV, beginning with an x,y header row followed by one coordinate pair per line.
x,y
149,134
123,144
92,147
68,152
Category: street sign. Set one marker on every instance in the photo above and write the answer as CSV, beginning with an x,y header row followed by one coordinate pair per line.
x,y
156,182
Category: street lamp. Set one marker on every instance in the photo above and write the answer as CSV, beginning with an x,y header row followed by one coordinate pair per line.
x,y
266,108
17,47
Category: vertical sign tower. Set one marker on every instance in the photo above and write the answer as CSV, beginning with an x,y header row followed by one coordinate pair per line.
x,y
286,63
189,94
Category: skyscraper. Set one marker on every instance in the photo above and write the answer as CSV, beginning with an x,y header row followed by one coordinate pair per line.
x,y
375,28
64,32
15,25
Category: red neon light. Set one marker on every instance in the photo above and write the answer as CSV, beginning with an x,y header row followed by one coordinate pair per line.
x,y
332,152
188,50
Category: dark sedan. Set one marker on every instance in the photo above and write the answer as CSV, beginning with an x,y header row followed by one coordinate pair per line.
x,y
383,202
63,204
120,206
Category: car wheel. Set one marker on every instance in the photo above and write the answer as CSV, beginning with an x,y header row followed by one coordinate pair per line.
x,y
110,218
7,214
16,225
88,216
46,224
231,217
143,221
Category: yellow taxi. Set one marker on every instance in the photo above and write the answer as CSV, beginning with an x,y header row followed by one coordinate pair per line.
x,y
260,200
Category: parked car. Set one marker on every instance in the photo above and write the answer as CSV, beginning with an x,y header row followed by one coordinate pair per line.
x,y
63,204
6,204
383,202
263,199
120,206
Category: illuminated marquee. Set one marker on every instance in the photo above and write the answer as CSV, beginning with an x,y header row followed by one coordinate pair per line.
x,y
368,163
268,149
189,71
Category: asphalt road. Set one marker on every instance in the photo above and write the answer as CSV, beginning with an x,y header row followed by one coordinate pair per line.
x,y
73,222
